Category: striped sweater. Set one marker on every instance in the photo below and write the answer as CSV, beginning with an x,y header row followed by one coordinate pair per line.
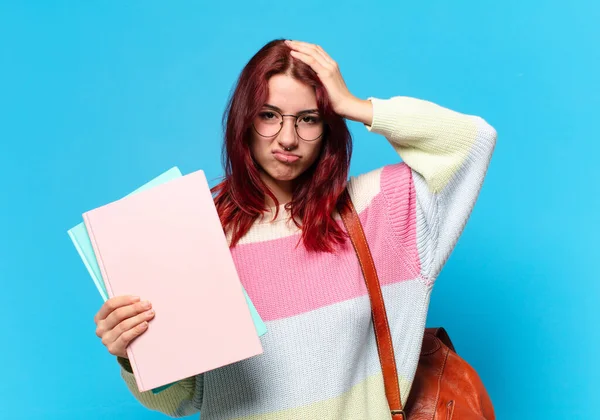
x,y
320,358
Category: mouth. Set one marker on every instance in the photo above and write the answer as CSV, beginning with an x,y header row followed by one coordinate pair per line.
x,y
284,157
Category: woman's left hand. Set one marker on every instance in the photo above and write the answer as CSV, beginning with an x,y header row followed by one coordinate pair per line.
x,y
342,101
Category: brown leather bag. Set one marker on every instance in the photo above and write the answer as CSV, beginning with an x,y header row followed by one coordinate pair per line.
x,y
445,386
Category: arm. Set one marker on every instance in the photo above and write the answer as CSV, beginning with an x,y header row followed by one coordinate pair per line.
x,y
448,154
179,400
119,321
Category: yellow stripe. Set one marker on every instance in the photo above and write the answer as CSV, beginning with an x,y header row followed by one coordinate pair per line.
x,y
431,139
172,401
363,401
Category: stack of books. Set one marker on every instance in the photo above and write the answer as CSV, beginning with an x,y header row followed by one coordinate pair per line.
x,y
164,243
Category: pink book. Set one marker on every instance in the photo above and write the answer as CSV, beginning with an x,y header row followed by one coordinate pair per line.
x,y
166,245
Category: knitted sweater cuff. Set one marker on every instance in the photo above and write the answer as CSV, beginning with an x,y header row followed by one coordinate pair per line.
x,y
125,364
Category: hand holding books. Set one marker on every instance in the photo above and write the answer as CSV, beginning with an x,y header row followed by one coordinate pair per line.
x,y
121,320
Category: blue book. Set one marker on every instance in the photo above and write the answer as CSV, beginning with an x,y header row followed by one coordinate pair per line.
x,y
81,241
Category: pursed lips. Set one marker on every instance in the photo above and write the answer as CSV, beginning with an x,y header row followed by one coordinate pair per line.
x,y
285,157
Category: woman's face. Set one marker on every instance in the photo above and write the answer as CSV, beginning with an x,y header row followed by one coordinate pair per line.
x,y
285,156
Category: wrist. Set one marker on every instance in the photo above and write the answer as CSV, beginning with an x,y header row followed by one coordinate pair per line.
x,y
360,110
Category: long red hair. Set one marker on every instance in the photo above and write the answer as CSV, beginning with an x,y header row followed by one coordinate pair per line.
x,y
240,197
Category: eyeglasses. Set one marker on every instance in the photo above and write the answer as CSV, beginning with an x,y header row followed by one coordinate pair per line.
x,y
309,125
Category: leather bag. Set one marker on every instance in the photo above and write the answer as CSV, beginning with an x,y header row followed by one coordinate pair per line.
x,y
445,386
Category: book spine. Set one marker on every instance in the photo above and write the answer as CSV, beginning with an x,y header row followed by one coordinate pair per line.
x,y
90,229
87,265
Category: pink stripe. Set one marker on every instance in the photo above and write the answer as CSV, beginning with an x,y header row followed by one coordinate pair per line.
x,y
308,281
398,189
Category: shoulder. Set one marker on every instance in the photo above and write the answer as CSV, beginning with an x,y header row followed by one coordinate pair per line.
x,y
391,183
386,202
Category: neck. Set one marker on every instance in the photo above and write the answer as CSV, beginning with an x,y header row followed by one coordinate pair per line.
x,y
281,189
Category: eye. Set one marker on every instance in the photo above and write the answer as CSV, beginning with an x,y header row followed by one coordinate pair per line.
x,y
266,115
310,119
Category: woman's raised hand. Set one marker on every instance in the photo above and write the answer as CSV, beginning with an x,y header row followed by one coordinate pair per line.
x,y
343,102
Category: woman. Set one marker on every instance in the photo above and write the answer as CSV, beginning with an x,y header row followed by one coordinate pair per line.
x,y
287,151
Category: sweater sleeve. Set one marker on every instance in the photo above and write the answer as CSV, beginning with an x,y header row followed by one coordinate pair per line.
x,y
181,399
448,154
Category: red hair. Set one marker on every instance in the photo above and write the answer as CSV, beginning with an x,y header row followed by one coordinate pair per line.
x,y
241,197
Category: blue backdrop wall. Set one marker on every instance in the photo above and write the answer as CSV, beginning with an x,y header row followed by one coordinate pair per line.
x,y
97,98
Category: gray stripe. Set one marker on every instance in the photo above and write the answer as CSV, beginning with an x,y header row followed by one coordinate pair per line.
x,y
318,355
441,218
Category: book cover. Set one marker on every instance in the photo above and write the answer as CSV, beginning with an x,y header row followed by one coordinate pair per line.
x,y
166,245
81,240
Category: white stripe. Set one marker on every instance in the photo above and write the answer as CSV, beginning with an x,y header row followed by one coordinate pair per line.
x,y
362,188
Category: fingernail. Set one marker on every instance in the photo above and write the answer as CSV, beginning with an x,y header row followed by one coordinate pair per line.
x,y
146,305
135,298
150,313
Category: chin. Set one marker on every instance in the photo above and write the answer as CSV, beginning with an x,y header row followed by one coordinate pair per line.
x,y
287,175
285,178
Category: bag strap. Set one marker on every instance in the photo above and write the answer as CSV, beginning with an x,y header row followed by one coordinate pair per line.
x,y
380,321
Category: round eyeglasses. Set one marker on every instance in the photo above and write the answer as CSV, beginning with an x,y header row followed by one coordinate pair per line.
x,y
309,125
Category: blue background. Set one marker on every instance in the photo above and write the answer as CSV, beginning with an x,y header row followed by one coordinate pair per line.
x,y
96,98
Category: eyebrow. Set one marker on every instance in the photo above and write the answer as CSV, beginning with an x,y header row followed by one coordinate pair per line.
x,y
306,111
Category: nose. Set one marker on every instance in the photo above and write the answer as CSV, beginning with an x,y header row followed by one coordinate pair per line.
x,y
287,137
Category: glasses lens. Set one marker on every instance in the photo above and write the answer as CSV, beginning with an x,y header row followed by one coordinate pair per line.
x,y
268,123
309,126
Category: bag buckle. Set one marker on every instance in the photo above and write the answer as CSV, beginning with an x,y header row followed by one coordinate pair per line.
x,y
400,413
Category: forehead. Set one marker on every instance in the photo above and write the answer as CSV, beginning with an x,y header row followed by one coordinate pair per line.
x,y
290,95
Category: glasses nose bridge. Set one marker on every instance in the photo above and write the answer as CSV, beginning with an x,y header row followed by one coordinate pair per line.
x,y
289,115
294,137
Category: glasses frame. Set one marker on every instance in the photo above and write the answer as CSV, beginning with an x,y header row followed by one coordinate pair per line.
x,y
297,117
